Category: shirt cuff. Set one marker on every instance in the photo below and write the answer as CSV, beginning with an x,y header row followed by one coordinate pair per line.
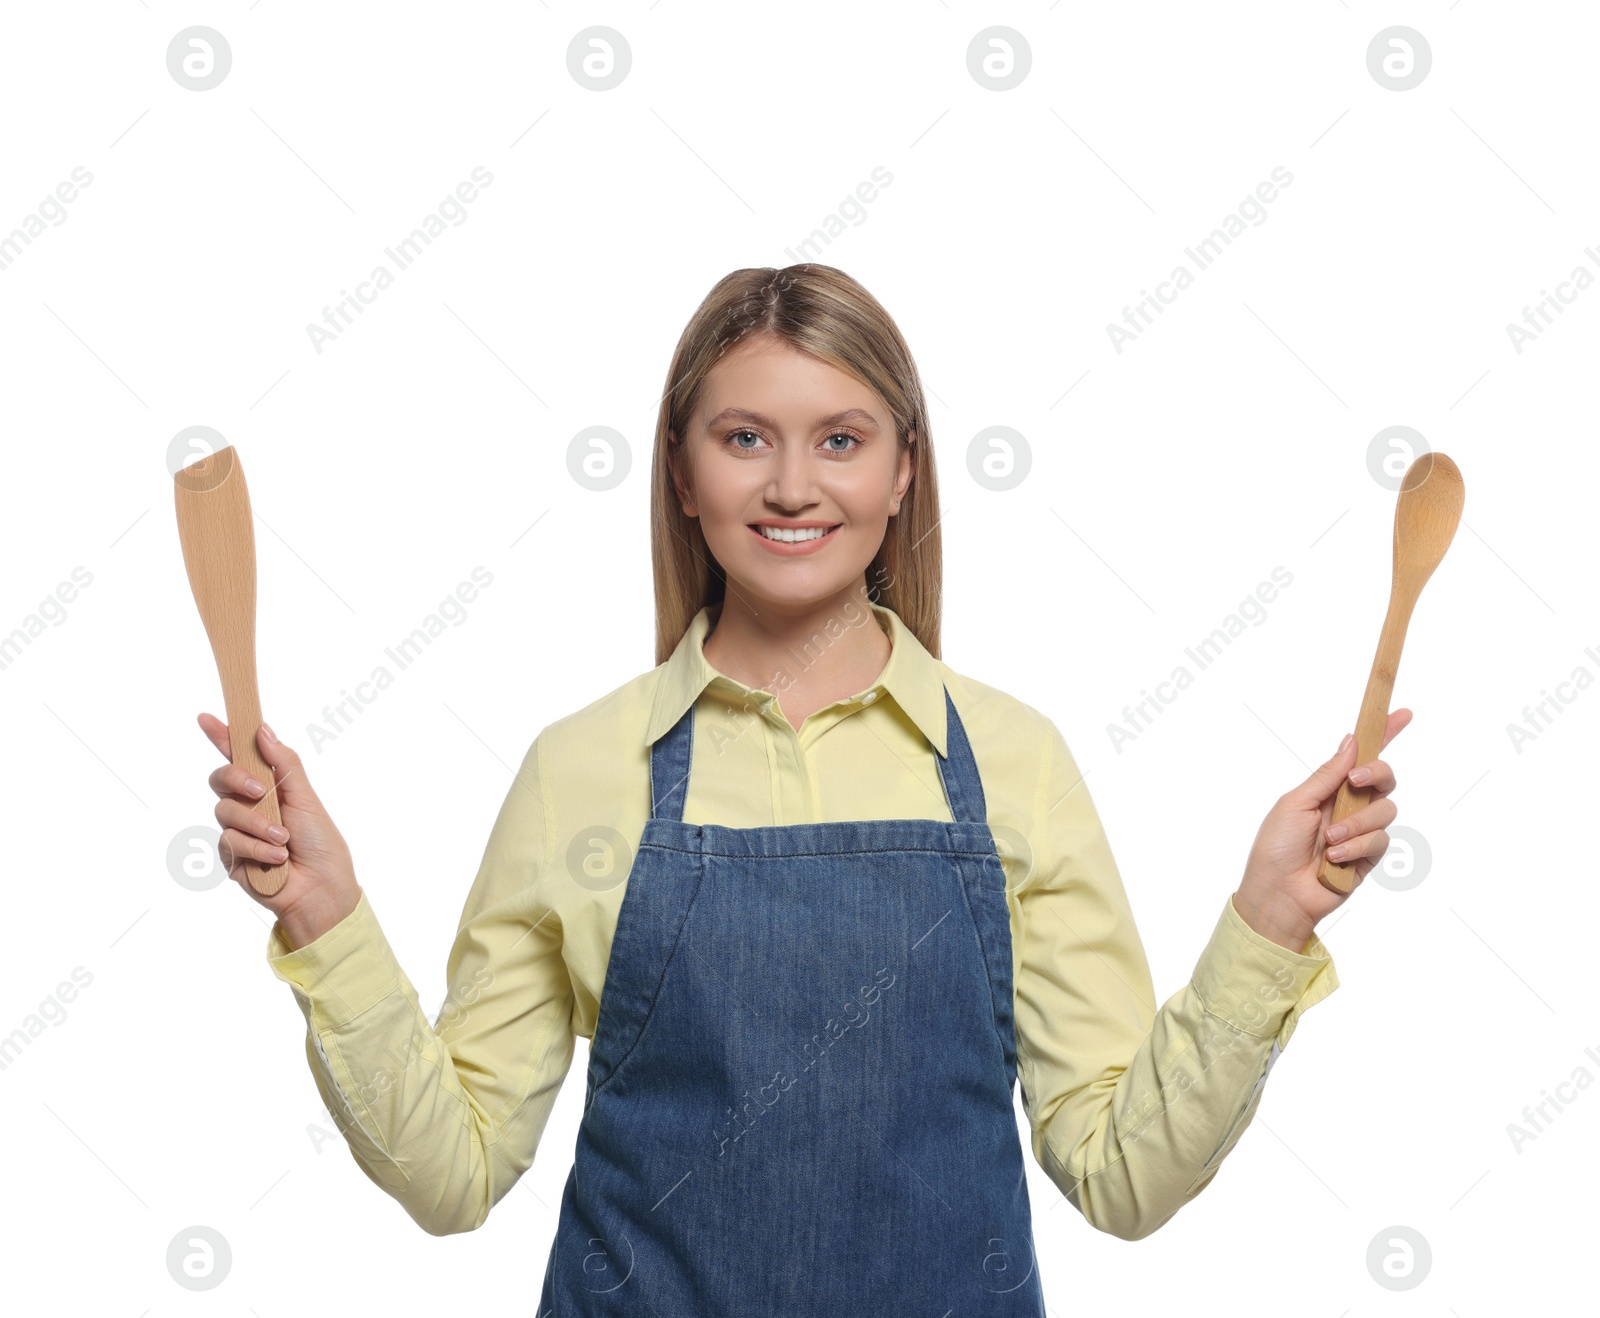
x,y
1256,985
341,974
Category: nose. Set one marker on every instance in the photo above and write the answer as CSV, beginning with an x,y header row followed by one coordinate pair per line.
x,y
794,484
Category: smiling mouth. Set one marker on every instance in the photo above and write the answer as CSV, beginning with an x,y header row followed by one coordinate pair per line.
x,y
794,535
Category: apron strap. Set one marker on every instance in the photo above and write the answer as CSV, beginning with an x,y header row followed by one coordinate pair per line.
x,y
669,768
962,785
670,756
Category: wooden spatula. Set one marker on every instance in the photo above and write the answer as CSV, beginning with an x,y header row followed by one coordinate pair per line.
x,y
219,550
1425,521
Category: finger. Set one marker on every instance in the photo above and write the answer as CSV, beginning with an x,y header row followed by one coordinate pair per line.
x,y
294,789
235,780
240,817
1375,774
217,733
1375,815
1324,780
1398,719
1366,846
234,845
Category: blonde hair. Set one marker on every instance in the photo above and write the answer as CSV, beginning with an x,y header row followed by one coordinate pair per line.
x,y
821,311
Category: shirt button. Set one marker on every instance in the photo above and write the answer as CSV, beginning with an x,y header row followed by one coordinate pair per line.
x,y
869,697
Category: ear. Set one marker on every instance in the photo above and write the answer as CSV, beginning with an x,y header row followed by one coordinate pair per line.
x,y
679,482
905,471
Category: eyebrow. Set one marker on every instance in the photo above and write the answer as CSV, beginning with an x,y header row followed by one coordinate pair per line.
x,y
744,414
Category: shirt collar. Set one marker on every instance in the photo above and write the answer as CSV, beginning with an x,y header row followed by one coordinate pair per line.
x,y
911,677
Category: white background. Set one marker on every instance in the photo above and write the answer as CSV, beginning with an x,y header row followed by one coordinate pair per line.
x,y
1167,481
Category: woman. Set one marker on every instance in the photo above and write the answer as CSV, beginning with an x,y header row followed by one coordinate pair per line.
x,y
816,899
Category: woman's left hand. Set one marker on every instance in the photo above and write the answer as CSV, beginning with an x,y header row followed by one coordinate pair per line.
x,y
1281,897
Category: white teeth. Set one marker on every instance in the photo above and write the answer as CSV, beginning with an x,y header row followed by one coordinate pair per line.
x,y
783,533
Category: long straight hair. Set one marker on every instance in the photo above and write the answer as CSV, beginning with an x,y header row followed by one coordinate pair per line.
x,y
821,311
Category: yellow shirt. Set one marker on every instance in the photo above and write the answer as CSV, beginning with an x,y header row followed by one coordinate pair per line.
x,y
1132,1108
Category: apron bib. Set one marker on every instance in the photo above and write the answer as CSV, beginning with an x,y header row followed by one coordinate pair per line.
x,y
799,1095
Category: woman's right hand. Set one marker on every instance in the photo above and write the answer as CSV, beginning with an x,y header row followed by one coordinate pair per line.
x,y
321,888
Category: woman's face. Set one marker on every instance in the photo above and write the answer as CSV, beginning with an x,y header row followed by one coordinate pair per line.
x,y
782,440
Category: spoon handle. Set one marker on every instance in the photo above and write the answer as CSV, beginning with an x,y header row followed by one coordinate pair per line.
x,y
1370,725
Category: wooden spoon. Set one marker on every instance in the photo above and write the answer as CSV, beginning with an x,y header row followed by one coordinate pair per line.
x,y
219,550
1425,520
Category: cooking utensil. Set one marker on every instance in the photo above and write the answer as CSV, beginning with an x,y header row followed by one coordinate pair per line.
x,y
1425,520
219,551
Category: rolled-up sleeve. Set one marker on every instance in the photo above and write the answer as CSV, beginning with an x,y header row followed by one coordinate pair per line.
x,y
445,1117
1133,1108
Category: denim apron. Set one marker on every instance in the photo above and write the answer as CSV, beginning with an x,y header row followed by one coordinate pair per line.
x,y
799,1086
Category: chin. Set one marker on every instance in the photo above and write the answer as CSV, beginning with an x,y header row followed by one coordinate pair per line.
x,y
792,590
797,582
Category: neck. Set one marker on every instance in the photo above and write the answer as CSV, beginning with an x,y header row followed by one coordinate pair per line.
x,y
807,655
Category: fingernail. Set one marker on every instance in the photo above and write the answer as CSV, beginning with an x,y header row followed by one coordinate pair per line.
x,y
267,728
1359,776
254,787
1337,833
278,834
1345,744
277,853
1335,853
